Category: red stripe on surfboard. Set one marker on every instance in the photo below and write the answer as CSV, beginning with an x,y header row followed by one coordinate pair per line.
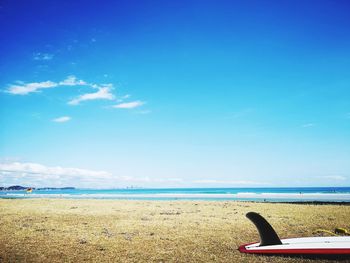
x,y
300,251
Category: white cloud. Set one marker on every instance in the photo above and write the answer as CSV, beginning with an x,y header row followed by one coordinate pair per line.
x,y
228,182
38,175
122,98
172,180
147,179
72,81
129,105
42,56
134,179
144,112
334,177
308,125
103,93
62,119
35,168
25,89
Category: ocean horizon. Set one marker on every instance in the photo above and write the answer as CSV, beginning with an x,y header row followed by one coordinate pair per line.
x,y
270,194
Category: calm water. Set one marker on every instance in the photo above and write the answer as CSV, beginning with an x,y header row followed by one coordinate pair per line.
x,y
334,194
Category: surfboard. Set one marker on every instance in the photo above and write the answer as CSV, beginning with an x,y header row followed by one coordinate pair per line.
x,y
271,244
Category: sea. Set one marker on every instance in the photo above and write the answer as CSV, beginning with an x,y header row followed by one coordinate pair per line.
x,y
288,194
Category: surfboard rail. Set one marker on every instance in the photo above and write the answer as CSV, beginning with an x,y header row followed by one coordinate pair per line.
x,y
299,251
271,244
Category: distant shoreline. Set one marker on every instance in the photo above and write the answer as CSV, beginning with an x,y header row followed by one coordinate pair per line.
x,y
273,195
23,188
316,203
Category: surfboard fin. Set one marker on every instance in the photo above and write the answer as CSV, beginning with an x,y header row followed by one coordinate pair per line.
x,y
268,235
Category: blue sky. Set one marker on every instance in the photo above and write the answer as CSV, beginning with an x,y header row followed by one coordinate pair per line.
x,y
175,93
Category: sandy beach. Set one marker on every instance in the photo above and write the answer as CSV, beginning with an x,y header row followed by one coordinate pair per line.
x,y
63,230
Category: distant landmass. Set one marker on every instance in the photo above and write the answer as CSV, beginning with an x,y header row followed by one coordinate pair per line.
x,y
19,187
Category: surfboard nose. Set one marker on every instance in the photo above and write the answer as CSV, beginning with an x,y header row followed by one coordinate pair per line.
x,y
268,235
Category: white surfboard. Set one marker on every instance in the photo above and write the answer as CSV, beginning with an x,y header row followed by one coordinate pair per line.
x,y
271,244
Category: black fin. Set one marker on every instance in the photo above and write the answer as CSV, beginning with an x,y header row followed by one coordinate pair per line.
x,y
268,235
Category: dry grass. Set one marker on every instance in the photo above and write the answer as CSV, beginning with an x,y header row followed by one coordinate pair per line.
x,y
53,230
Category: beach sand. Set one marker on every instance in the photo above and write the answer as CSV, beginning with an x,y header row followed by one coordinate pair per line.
x,y
63,230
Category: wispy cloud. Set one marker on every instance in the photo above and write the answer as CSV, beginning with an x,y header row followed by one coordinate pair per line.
x,y
333,177
308,125
144,112
62,119
148,179
122,98
72,81
228,182
26,88
42,56
103,93
129,105
39,175
35,168
33,174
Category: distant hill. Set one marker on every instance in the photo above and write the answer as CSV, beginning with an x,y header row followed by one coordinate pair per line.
x,y
55,188
14,187
19,188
